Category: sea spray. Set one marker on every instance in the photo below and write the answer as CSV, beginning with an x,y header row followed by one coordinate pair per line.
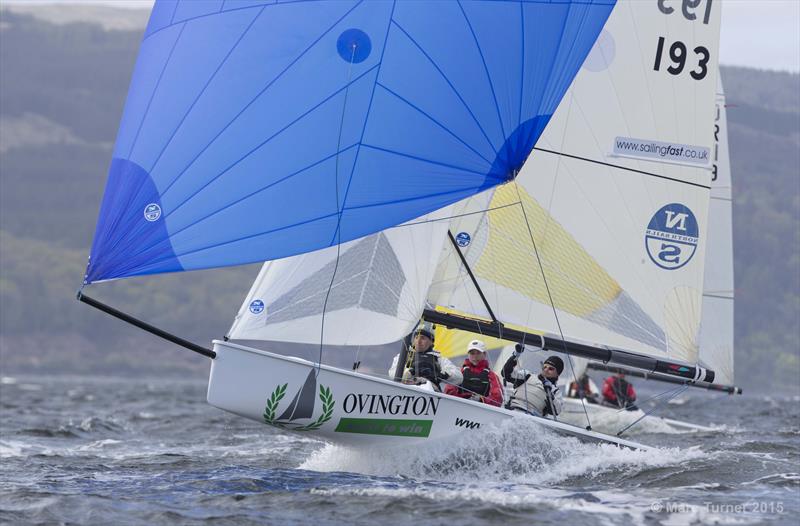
x,y
516,451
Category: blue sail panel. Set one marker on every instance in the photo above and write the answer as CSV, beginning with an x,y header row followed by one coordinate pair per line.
x,y
259,130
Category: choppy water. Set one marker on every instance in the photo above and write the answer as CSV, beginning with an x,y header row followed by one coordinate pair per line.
x,y
86,451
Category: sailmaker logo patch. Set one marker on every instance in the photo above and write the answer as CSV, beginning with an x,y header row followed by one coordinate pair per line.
x,y
256,306
463,239
671,237
152,212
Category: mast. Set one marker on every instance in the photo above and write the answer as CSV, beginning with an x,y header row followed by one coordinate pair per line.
x,y
730,389
604,354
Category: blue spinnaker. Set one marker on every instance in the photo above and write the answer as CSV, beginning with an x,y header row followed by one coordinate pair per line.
x,y
256,130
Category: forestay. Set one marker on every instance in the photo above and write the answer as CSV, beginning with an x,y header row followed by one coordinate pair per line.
x,y
716,328
256,130
602,237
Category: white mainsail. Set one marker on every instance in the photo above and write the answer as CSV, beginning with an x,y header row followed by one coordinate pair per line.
x,y
615,196
716,328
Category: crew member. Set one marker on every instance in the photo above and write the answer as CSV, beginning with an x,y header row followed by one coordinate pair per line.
x,y
480,382
424,363
618,393
583,389
538,394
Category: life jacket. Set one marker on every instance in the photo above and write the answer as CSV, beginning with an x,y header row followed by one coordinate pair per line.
x,y
620,388
425,365
477,383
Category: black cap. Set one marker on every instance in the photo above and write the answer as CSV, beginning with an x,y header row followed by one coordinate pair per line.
x,y
426,329
556,362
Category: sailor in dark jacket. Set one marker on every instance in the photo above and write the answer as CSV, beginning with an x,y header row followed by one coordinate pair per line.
x,y
535,394
424,363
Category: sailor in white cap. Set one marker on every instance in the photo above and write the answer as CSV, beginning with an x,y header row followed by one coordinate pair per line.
x,y
480,382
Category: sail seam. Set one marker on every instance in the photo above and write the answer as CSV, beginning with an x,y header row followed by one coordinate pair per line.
x,y
485,67
250,103
202,91
155,90
610,165
449,83
206,15
470,190
431,161
420,110
253,193
366,120
267,140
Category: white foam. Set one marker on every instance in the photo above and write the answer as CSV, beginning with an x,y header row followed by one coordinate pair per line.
x,y
516,451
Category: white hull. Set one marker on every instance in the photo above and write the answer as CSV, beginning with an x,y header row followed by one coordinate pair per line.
x,y
611,420
351,408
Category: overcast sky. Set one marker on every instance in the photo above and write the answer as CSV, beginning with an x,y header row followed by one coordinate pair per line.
x,y
756,33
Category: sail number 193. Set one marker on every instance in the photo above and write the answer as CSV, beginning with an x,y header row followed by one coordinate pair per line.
x,y
677,55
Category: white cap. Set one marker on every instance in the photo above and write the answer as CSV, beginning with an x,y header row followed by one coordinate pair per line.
x,y
477,345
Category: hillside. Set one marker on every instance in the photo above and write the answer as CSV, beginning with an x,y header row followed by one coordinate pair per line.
x,y
61,100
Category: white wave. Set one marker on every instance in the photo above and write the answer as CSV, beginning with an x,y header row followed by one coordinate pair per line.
x,y
516,451
10,449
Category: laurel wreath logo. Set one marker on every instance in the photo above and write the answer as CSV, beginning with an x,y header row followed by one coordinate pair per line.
x,y
277,395
272,403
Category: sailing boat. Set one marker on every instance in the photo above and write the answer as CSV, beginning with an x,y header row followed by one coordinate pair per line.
x,y
341,141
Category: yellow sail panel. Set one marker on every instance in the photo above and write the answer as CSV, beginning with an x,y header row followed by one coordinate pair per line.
x,y
453,342
578,284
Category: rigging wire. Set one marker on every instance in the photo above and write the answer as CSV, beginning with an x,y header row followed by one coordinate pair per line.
x,y
338,214
549,295
674,392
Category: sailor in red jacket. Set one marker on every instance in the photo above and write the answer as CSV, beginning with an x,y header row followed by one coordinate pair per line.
x,y
618,393
480,382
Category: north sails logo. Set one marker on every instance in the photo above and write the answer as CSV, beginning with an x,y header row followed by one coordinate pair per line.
x,y
301,407
671,237
256,307
152,212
